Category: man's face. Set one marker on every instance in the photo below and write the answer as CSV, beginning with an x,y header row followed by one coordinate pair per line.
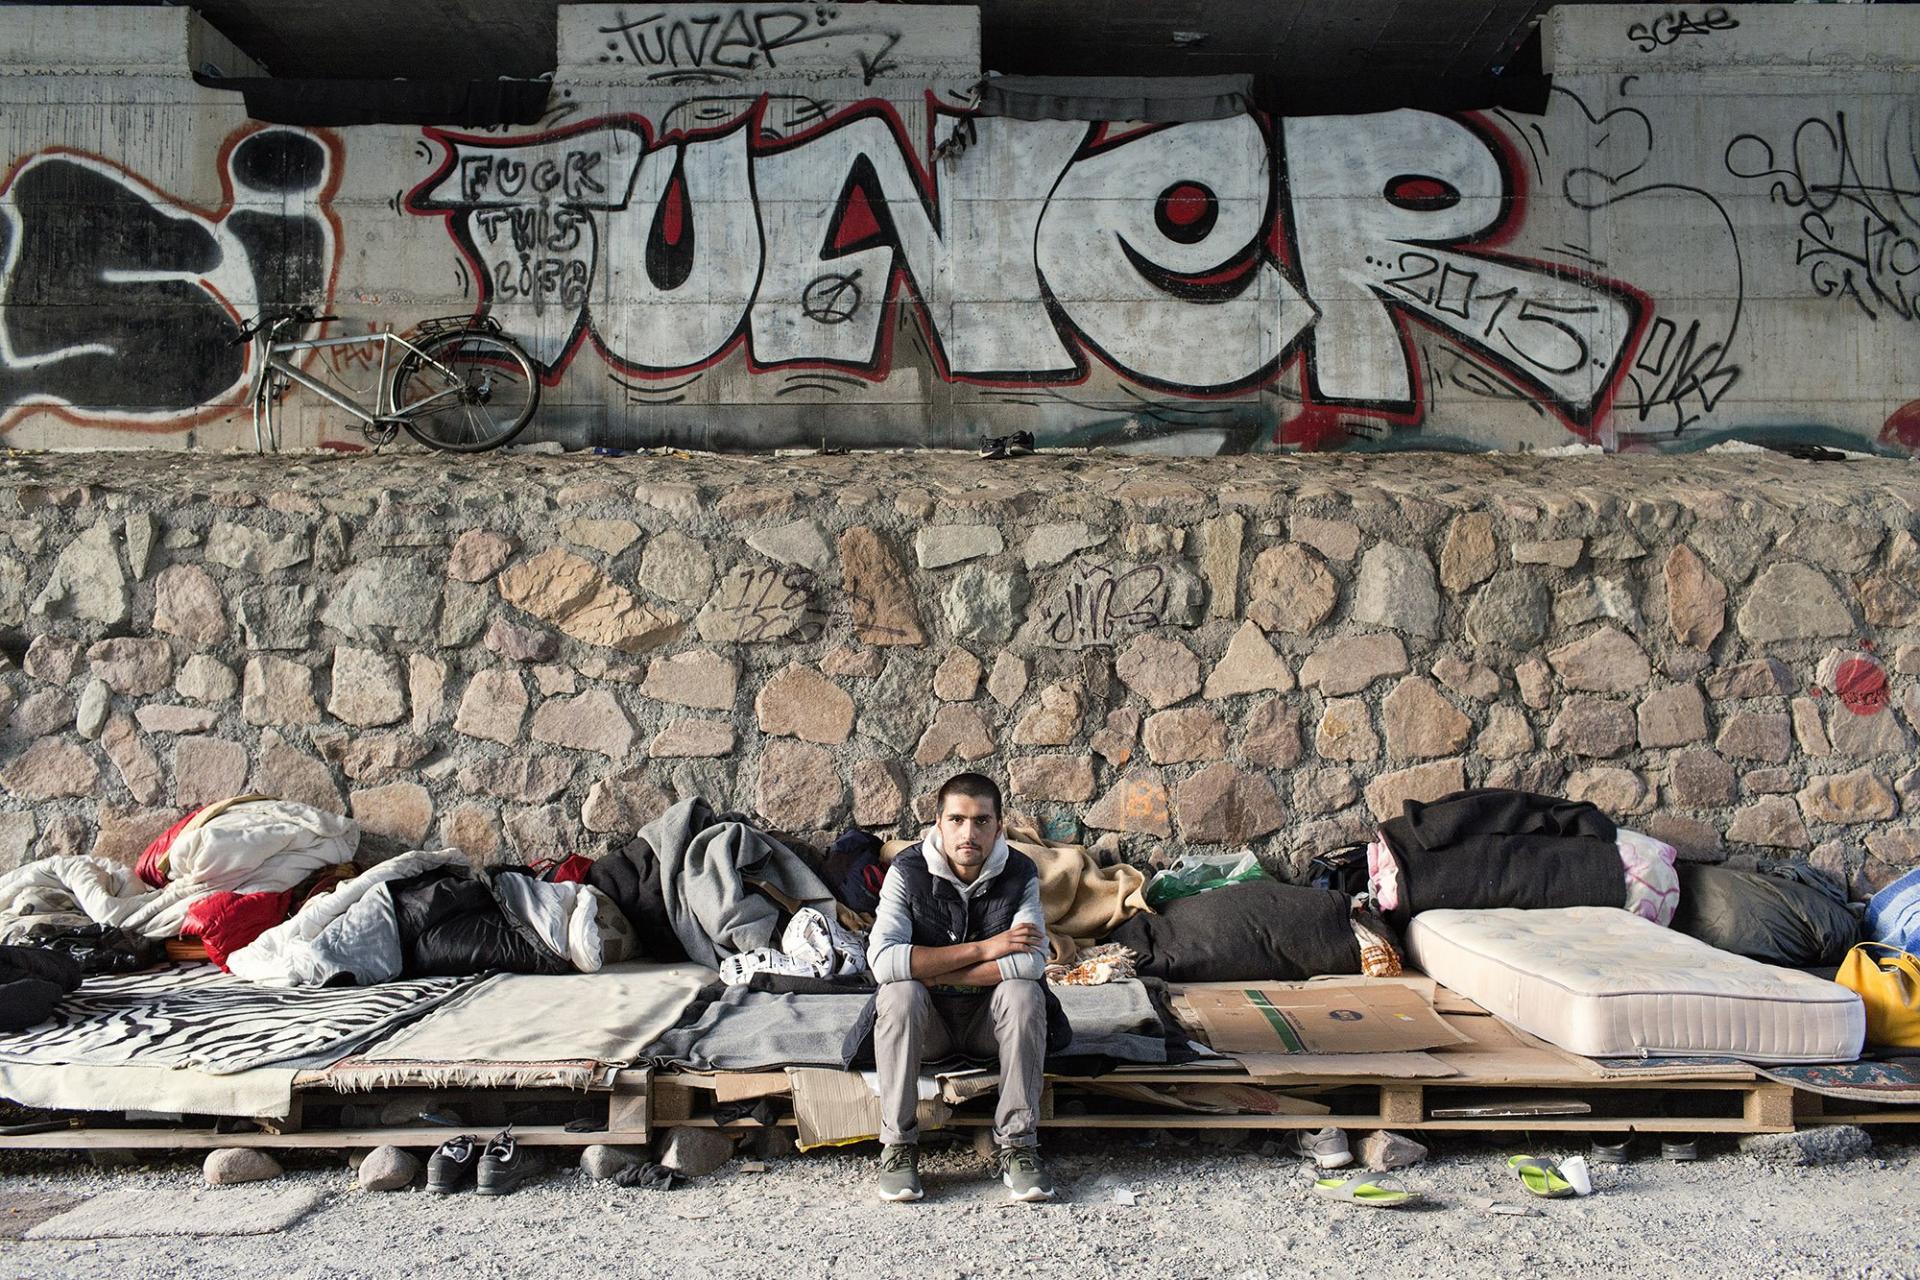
x,y
968,828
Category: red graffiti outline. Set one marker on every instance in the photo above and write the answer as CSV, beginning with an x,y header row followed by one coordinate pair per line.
x,y
187,419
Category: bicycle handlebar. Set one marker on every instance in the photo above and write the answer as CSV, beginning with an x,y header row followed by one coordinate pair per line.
x,y
297,315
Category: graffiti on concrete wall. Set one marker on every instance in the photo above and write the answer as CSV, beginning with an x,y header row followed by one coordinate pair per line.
x,y
1856,194
696,44
119,303
1247,282
1172,255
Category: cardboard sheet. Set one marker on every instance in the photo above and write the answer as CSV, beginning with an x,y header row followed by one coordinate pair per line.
x,y
1275,1068
835,1108
1318,1018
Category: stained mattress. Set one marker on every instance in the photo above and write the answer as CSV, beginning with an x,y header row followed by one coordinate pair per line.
x,y
1605,983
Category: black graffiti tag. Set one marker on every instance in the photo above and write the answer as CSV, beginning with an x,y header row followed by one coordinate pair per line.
x,y
831,298
1104,601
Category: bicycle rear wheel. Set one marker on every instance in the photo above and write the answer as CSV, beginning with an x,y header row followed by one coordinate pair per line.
x,y
473,391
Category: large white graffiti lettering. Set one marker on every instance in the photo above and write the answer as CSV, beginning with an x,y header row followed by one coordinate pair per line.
x,y
1193,258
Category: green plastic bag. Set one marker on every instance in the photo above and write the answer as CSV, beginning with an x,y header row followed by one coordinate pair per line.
x,y
1197,873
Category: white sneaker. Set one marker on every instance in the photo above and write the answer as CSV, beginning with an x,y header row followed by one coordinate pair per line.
x,y
1328,1147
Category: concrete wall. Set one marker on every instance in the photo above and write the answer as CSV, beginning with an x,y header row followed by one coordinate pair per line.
x,y
731,231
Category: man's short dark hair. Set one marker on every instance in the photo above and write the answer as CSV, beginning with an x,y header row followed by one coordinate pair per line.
x,y
977,786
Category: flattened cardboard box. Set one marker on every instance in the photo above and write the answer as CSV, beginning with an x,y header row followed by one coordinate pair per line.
x,y
1273,1019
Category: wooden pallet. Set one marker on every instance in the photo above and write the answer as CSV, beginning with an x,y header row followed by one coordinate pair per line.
x,y
638,1105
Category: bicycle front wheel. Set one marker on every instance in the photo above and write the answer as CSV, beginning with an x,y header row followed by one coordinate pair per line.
x,y
466,391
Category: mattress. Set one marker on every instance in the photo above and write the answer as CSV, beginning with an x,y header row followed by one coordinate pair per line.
x,y
1605,983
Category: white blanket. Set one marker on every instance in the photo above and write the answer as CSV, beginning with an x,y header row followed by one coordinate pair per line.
x,y
258,846
351,930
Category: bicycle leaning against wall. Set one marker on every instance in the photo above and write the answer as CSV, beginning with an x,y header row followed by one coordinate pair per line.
x,y
457,383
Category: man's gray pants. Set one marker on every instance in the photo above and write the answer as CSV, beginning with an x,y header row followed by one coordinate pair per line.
x,y
1010,1025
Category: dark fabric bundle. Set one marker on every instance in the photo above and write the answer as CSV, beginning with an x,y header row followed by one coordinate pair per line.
x,y
97,948
1771,918
1481,849
32,981
451,924
1252,931
631,877
853,870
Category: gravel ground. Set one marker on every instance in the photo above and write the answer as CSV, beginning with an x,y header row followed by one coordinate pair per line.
x,y
1200,1210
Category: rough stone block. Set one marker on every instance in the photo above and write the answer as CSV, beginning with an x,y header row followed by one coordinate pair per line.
x,y
1420,722
1186,734
1290,589
1223,805
1250,665
1349,664
799,787
1387,794
1395,588
492,707
800,702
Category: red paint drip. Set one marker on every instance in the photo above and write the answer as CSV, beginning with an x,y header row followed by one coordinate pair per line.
x,y
1861,686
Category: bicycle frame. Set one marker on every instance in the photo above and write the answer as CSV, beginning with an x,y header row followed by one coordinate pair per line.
x,y
272,360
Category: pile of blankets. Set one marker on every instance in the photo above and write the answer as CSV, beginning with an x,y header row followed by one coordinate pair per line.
x,y
225,872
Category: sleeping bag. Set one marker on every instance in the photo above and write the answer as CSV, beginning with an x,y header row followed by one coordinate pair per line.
x,y
1770,918
1252,931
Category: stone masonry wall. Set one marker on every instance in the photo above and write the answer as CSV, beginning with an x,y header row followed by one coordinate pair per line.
x,y
527,654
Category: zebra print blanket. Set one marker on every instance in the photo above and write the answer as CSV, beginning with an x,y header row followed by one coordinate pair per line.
x,y
197,1016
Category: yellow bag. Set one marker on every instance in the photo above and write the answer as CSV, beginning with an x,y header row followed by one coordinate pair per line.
x,y
1890,988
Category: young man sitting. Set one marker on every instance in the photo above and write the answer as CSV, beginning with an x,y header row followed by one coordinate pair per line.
x,y
961,910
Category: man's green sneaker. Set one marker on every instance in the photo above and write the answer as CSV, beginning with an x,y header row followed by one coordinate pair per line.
x,y
900,1172
1025,1176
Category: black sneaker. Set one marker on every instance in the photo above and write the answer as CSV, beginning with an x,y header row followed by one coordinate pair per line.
x,y
452,1166
504,1166
999,448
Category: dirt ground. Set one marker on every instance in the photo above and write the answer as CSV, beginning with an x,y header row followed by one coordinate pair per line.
x,y
1198,1209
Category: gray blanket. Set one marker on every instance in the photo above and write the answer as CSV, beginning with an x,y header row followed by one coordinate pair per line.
x,y
748,1030
705,867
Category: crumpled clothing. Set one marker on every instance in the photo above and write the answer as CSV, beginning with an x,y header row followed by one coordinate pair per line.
x,y
1108,962
650,1177
813,946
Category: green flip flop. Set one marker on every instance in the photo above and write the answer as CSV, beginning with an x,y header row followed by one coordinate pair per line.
x,y
1541,1177
1376,1190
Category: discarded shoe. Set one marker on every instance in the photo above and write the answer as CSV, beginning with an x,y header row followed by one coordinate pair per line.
x,y
1680,1149
900,1173
1327,1147
453,1164
1542,1177
1375,1190
504,1167
1017,445
1609,1152
1024,1175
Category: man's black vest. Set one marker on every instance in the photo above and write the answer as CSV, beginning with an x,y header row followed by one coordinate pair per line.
x,y
941,917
